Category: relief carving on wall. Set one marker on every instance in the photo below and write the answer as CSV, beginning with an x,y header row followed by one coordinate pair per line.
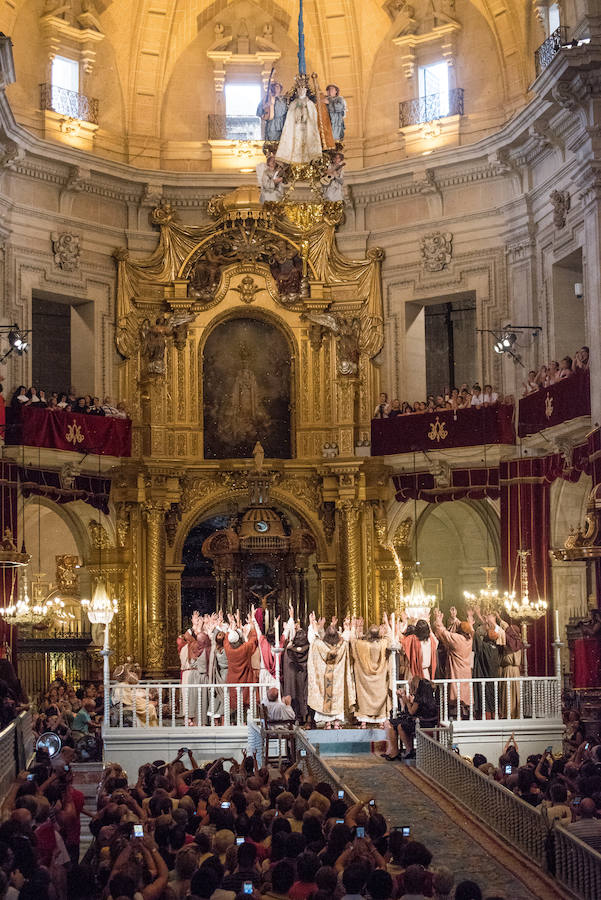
x,y
436,250
66,248
560,201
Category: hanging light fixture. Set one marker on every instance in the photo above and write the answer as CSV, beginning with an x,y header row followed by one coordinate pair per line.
x,y
487,597
417,604
522,607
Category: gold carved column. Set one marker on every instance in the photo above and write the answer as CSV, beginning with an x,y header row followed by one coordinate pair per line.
x,y
174,613
350,557
327,590
157,650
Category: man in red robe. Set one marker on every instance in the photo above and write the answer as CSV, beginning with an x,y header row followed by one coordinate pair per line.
x,y
239,660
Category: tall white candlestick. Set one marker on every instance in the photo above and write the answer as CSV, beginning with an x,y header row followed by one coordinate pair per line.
x,y
557,637
277,633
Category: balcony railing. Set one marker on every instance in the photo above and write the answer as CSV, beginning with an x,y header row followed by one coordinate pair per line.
x,y
549,49
71,104
234,128
431,107
568,399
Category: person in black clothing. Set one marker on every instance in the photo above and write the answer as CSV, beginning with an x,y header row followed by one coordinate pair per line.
x,y
420,704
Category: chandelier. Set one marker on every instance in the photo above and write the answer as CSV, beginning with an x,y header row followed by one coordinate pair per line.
x,y
38,609
487,598
522,607
101,609
418,604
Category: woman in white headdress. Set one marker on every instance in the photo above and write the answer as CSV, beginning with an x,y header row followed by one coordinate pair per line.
x,y
300,141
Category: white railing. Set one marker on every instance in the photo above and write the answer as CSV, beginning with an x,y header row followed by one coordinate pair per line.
x,y
171,704
497,698
16,749
498,807
577,865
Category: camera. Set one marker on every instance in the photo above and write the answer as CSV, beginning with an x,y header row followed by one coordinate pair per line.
x,y
138,831
360,831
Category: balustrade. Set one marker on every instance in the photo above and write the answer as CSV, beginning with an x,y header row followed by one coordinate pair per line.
x,y
171,704
549,48
67,103
431,107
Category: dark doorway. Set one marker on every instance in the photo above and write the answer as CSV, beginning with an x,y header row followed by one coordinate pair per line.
x,y
50,345
450,344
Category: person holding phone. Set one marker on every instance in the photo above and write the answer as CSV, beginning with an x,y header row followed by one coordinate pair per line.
x,y
127,868
420,703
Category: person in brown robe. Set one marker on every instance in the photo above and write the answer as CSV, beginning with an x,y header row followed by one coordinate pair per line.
x,y
239,662
511,667
372,675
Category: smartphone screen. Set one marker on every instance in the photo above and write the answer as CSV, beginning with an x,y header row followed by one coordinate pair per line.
x,y
548,749
360,831
340,821
341,795
138,831
406,830
66,768
30,777
508,770
576,801
372,802
225,804
303,753
239,840
248,887
587,745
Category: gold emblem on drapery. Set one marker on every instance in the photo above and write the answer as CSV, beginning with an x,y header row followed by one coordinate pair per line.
x,y
73,434
438,431
548,406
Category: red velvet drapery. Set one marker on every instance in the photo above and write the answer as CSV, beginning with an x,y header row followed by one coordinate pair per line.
x,y
525,524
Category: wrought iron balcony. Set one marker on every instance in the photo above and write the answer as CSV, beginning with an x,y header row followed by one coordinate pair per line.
x,y
234,128
71,104
431,107
549,49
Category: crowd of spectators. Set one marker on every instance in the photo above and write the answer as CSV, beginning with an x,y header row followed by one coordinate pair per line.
x,y
74,714
553,372
463,397
224,830
565,786
67,401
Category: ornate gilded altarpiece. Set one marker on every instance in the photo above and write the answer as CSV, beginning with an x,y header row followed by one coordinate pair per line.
x,y
300,325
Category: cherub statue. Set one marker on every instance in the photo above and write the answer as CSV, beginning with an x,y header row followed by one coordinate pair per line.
x,y
154,339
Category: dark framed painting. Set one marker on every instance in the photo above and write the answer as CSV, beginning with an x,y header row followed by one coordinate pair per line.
x,y
246,390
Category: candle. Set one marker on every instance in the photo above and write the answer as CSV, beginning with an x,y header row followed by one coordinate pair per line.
x,y
277,633
557,638
524,633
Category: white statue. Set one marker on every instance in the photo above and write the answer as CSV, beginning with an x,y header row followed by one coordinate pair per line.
x,y
300,141
272,184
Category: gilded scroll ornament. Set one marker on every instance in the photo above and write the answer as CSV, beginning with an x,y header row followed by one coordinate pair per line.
x,y
247,289
438,431
73,434
548,406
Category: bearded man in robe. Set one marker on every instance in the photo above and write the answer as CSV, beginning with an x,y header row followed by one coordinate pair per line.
x,y
331,684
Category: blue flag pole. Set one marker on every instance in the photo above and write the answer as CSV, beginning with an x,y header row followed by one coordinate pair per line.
x,y
302,65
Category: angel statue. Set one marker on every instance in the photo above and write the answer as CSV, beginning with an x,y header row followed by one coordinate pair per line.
x,y
347,332
154,339
333,181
